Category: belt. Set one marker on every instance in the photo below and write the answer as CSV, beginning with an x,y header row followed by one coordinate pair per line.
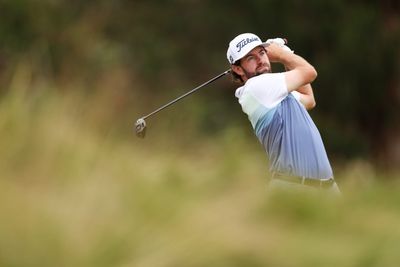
x,y
326,183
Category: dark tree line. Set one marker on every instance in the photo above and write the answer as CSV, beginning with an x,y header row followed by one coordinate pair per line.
x,y
168,44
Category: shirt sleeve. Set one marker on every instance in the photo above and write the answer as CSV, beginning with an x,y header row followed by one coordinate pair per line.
x,y
296,95
268,89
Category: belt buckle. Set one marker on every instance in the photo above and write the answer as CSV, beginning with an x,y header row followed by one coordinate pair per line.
x,y
327,183
304,180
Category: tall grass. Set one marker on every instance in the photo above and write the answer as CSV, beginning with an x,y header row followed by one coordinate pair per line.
x,y
77,191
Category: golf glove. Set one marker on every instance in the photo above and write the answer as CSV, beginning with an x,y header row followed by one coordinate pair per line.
x,y
281,42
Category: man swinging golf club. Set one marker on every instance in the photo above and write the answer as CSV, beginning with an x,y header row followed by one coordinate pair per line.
x,y
276,105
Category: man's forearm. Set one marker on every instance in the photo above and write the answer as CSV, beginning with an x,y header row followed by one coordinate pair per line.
x,y
292,61
300,71
287,58
306,93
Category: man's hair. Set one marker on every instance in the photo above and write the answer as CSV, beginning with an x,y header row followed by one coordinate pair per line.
x,y
235,77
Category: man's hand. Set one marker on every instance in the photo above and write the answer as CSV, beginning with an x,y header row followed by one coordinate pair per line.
x,y
280,41
276,52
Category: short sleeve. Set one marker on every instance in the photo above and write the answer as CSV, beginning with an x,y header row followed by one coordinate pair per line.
x,y
268,89
296,95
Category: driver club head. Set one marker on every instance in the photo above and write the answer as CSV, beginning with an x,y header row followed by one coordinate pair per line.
x,y
140,128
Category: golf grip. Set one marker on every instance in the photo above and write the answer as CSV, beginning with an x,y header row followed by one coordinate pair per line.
x,y
186,94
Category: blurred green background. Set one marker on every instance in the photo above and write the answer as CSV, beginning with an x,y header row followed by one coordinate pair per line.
x,y
77,188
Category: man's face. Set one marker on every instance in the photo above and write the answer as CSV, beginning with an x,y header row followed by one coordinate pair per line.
x,y
256,62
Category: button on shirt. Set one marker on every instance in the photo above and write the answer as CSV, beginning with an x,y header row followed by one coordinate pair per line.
x,y
284,127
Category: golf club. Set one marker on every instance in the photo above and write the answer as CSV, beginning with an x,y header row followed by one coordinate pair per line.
x,y
140,125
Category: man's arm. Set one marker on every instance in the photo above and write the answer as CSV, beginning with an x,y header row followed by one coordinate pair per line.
x,y
299,73
307,96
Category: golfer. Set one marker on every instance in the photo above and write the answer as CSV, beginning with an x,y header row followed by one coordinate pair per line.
x,y
276,105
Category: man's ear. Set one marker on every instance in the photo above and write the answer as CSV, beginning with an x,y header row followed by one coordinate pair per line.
x,y
238,70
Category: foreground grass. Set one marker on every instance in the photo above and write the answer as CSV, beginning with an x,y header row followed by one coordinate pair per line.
x,y
76,194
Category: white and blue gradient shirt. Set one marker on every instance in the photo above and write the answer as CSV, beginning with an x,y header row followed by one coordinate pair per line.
x,y
284,127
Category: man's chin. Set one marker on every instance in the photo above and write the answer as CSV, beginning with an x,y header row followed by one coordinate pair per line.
x,y
257,73
263,71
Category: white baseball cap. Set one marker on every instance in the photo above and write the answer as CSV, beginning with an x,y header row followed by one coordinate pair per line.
x,y
241,45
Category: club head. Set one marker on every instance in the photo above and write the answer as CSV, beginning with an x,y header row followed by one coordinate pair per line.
x,y
140,128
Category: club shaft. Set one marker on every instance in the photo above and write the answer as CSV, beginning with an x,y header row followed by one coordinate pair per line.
x,y
186,94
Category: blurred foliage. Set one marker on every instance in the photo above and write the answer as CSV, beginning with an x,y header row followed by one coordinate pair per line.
x,y
148,52
76,193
